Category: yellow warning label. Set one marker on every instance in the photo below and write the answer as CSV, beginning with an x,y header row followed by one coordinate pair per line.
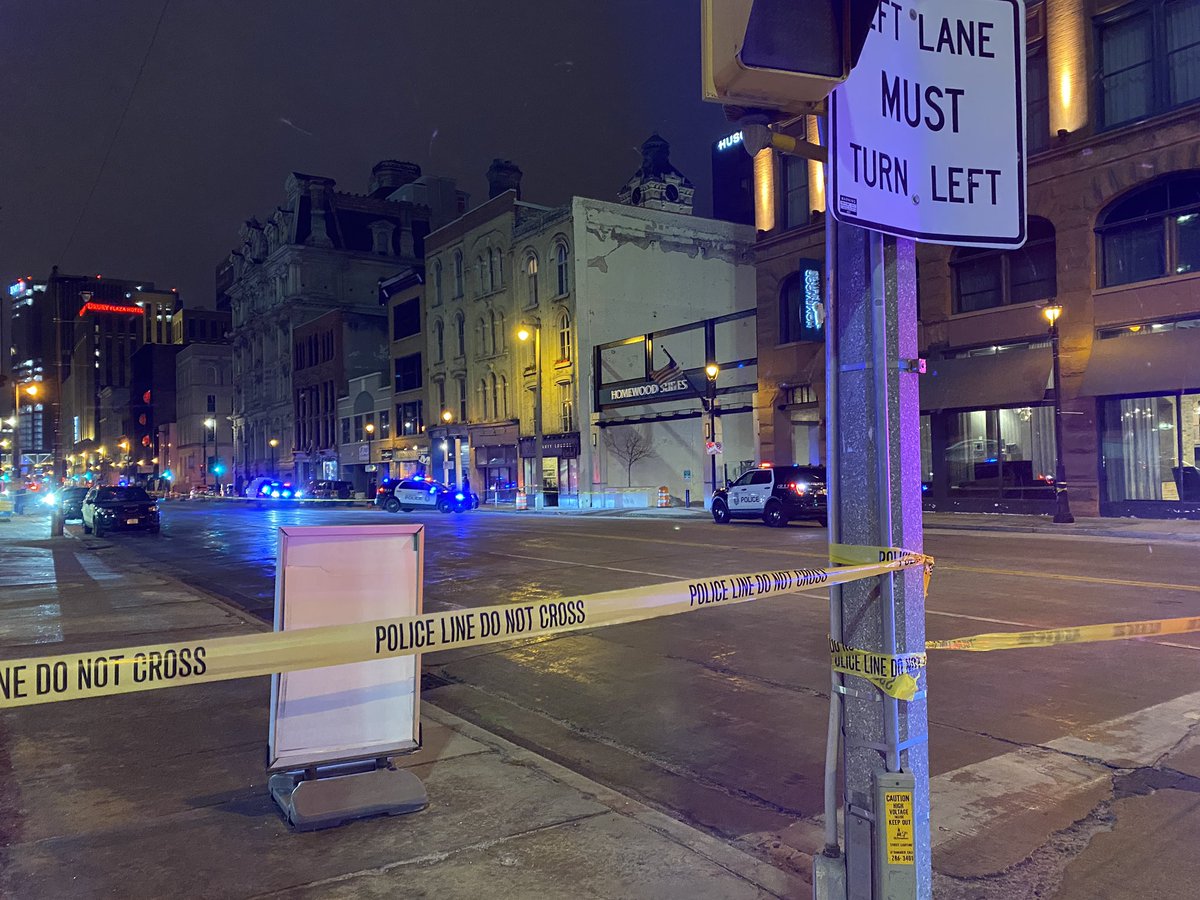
x,y
1082,634
898,822
894,675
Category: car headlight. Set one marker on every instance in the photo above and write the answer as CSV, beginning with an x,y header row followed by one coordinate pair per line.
x,y
49,499
153,508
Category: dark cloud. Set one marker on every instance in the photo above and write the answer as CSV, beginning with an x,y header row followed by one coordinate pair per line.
x,y
237,93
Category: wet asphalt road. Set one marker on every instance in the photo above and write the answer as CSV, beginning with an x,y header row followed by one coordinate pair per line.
x,y
719,718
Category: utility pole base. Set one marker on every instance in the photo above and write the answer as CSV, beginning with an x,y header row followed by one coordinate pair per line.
x,y
829,877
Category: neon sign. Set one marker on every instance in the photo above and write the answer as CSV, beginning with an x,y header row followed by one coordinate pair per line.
x,y
731,141
93,306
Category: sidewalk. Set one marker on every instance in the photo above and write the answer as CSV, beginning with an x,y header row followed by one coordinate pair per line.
x,y
164,793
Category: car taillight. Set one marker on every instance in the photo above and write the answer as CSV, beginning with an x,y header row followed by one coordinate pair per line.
x,y
798,488
381,491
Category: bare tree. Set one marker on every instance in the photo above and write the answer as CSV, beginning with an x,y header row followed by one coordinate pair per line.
x,y
630,445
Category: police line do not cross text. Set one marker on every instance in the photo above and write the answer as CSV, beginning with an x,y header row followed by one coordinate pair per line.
x,y
928,133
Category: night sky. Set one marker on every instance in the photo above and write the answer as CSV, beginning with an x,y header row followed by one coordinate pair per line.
x,y
235,94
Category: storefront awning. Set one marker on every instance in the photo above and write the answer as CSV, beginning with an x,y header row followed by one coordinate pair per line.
x,y
1144,364
1015,378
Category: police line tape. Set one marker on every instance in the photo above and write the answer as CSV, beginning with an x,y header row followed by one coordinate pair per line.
x,y
1082,634
73,676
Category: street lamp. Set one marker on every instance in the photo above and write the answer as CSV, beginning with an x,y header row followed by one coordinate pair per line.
x,y
1062,503
126,459
210,423
711,371
369,428
534,329
32,391
274,442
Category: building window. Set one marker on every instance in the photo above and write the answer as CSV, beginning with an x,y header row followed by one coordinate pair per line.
x,y
483,399
531,281
406,319
794,191
211,404
1149,59
503,397
802,306
461,327
439,340
495,397
481,274
564,338
1037,100
408,372
1152,232
560,268
481,336
384,424
1005,453
358,428
492,332
984,279
493,281
462,398
566,400
441,393
410,417
437,283
345,431
1151,448
458,273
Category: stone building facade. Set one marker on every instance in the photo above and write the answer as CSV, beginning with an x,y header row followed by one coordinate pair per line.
x,y
320,249
583,274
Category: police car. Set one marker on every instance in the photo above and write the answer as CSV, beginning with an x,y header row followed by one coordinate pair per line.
x,y
419,493
777,495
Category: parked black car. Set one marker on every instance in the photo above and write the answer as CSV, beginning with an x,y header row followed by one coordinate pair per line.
x,y
119,508
778,495
71,502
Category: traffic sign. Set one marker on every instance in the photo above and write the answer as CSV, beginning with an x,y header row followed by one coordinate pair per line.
x,y
928,133
713,448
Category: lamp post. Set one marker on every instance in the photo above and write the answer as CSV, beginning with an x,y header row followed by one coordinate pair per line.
x,y
32,390
211,423
711,371
274,442
1062,503
534,329
126,459
447,418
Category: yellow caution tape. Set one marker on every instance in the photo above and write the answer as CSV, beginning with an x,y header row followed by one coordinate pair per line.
x,y
73,676
1083,634
855,555
895,675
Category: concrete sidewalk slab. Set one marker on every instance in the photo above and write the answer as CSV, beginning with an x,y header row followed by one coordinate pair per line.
x,y
164,793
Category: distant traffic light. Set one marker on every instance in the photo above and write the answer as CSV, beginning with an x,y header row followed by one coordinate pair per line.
x,y
780,55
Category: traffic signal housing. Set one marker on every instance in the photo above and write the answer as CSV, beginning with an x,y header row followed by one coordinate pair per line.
x,y
780,55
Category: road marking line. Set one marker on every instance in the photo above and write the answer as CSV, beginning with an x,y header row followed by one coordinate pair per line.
x,y
1055,576
563,562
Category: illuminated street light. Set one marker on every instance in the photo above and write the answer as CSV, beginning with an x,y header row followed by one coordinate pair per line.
x,y
525,332
447,416
711,371
1062,503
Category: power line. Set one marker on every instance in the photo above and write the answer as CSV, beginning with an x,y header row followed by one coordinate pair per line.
x,y
116,131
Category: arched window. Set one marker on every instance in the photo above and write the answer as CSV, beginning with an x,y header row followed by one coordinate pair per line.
x,y
439,337
461,326
531,282
481,274
561,269
984,279
483,400
501,334
504,396
492,331
801,304
458,273
481,331
493,281
564,337
499,269
437,282
1152,232
461,383
495,397
566,400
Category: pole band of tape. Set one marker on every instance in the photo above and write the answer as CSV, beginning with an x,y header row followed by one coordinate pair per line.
x,y
894,674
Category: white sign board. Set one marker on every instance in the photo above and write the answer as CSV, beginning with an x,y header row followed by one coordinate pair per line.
x,y
337,576
928,133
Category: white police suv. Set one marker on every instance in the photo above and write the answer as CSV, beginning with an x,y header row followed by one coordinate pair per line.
x,y
775,494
